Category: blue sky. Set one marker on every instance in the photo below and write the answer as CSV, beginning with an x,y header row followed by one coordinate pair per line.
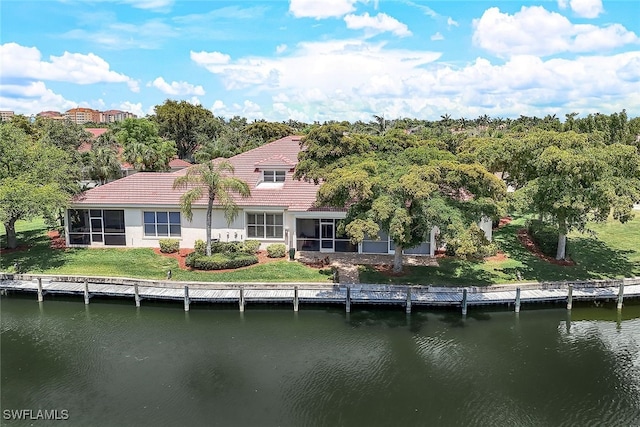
x,y
319,60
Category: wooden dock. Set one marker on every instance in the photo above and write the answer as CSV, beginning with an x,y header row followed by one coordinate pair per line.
x,y
310,293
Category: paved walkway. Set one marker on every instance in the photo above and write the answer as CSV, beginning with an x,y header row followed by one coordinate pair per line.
x,y
347,263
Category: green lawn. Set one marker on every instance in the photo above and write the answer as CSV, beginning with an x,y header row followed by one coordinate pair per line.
x,y
139,263
614,251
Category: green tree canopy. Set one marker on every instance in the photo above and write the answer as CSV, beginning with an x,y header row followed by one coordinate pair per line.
x,y
397,184
36,178
569,179
187,124
142,147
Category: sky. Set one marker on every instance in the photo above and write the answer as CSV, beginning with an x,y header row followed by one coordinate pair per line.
x,y
317,60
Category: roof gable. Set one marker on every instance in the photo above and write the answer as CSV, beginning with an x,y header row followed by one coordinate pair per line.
x,y
156,188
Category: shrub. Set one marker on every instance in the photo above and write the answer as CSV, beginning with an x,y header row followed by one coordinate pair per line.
x,y
471,244
545,236
276,250
169,246
226,247
251,246
200,247
219,261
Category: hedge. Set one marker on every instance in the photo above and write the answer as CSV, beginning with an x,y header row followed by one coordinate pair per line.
x,y
251,246
276,250
219,261
545,236
169,246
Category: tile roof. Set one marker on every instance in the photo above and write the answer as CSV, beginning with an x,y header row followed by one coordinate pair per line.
x,y
275,161
156,188
96,132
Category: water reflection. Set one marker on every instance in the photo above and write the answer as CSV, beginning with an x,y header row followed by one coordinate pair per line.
x,y
113,364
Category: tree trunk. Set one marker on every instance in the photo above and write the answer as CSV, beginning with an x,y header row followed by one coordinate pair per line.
x,y
209,217
562,239
562,246
10,226
397,260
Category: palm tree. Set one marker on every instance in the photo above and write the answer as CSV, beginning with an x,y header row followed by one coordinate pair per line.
x,y
210,179
103,164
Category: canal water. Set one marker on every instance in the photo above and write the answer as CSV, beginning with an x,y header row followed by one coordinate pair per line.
x,y
112,364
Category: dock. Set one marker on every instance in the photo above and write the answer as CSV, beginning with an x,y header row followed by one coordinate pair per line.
x,y
138,290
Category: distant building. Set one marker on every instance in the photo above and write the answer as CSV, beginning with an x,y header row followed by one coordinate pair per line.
x,y
83,115
5,116
111,116
55,115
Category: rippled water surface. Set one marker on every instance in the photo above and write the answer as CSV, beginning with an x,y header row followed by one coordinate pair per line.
x,y
112,364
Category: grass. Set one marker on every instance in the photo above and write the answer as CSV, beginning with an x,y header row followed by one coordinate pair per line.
x,y
611,251
135,263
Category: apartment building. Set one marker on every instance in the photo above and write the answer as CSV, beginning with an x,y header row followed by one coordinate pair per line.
x,y
6,115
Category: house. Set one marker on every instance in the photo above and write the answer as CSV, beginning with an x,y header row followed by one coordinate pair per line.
x,y
138,210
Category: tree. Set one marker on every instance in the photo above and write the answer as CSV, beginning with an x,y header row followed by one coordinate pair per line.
x,y
570,179
401,186
61,133
36,178
267,131
187,124
142,147
102,164
210,180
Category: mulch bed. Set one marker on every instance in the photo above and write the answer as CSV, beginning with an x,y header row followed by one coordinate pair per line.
x,y
500,256
527,241
387,270
181,256
504,221
57,241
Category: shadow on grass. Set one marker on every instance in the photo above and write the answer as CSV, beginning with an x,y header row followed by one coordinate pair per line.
x,y
593,258
450,272
37,257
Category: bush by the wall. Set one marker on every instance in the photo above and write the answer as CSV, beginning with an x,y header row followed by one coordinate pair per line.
x,y
545,236
226,247
169,246
251,246
200,246
219,261
276,250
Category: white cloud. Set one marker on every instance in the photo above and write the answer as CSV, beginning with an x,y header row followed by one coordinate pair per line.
x,y
120,36
248,109
536,31
425,9
281,48
26,63
177,88
158,5
380,23
329,66
452,23
32,98
583,8
135,108
437,36
210,58
321,9
352,79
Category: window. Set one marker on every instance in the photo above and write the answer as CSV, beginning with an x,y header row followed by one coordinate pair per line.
x,y
87,226
273,176
265,225
162,224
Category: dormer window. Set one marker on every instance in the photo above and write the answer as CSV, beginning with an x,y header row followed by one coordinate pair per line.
x,y
273,176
